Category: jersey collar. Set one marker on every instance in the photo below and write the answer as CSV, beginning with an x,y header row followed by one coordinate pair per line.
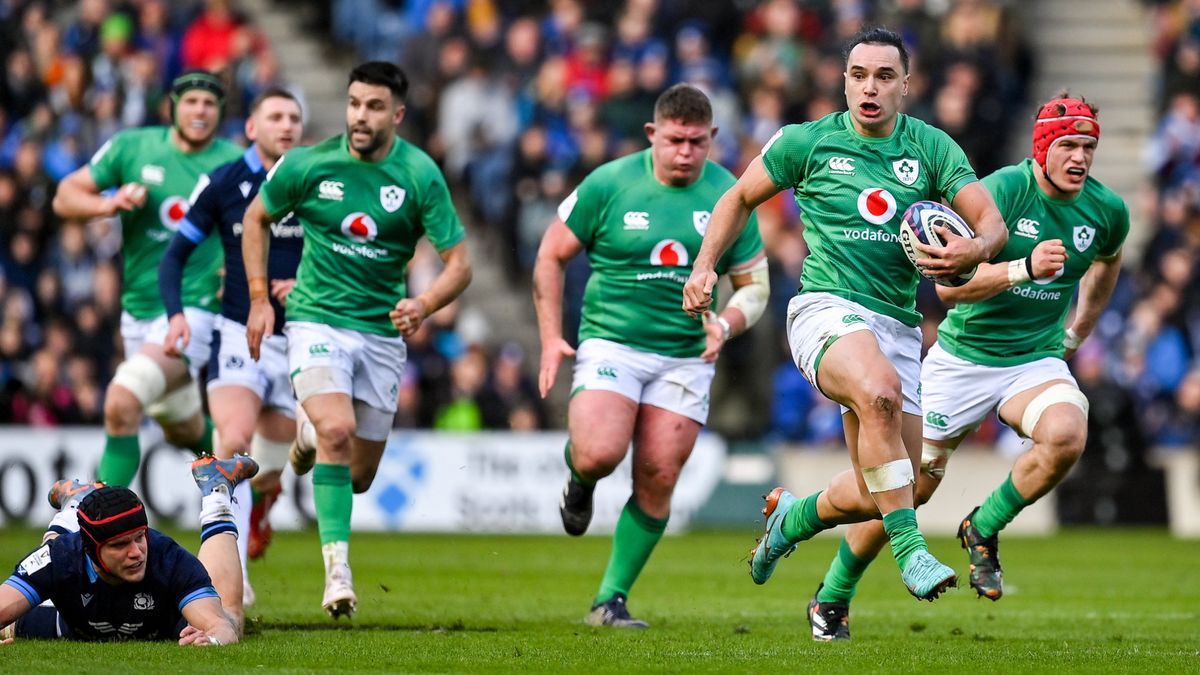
x,y
252,159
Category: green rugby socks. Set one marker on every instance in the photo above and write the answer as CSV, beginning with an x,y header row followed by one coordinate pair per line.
x,y
119,463
999,509
633,541
906,539
801,522
334,499
204,445
841,581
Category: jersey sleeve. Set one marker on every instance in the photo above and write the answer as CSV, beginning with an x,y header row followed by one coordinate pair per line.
x,y
34,576
582,210
106,164
953,171
204,209
997,185
745,247
785,155
1118,229
438,217
284,184
188,579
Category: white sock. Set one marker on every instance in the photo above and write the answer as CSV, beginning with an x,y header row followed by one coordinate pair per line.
x,y
335,553
67,518
242,503
216,506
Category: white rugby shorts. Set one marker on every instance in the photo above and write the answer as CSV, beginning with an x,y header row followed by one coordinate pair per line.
x,y
137,332
231,366
958,394
816,320
365,366
680,385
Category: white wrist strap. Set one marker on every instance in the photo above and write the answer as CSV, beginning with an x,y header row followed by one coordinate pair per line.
x,y
1018,273
1071,339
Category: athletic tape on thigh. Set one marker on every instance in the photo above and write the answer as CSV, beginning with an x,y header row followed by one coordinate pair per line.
x,y
177,406
934,459
141,376
321,380
888,476
270,455
372,423
1058,393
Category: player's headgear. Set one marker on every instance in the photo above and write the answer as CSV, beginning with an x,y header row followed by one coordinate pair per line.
x,y
1059,119
197,79
109,513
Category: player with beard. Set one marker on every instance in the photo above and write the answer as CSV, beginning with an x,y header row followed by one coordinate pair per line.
x,y
251,401
853,326
153,170
364,199
1002,347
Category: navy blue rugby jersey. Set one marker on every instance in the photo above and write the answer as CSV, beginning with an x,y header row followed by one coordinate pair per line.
x,y
218,203
93,609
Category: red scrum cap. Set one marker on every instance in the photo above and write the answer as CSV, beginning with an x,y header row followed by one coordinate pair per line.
x,y
1059,119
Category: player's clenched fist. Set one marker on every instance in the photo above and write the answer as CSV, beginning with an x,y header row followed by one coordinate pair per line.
x,y
1048,258
408,315
128,197
697,292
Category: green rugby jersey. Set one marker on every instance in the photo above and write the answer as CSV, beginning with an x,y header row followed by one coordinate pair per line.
x,y
1026,323
641,237
361,224
148,156
852,191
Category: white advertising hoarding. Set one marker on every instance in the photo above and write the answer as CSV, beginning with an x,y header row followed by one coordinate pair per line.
x,y
427,481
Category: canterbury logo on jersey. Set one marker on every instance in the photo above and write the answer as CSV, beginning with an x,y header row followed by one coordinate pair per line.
x,y
331,189
154,175
1027,227
637,220
841,165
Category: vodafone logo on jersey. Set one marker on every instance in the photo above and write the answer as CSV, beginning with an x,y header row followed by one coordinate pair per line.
x,y
172,211
876,205
669,253
359,227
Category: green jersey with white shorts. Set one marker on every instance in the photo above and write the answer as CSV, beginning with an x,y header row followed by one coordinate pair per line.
x,y
852,191
361,224
149,157
1026,323
641,237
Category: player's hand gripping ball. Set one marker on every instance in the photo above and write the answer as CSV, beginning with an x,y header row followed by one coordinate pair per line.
x,y
919,225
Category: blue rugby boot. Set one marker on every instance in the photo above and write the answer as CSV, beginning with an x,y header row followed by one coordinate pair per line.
x,y
926,578
69,491
773,544
212,473
614,613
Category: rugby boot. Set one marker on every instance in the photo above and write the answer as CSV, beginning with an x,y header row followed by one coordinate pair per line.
x,y
212,473
575,507
986,576
614,613
773,545
66,491
829,620
260,523
925,577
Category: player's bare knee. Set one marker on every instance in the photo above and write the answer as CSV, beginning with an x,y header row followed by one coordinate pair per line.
x,y
122,411
880,399
656,480
334,439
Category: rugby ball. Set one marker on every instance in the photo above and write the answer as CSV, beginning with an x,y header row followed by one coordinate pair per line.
x,y
918,224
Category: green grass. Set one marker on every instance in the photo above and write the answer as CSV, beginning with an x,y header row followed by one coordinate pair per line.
x,y
1083,601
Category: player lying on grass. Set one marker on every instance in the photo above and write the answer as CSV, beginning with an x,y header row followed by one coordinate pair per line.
x,y
110,577
1002,347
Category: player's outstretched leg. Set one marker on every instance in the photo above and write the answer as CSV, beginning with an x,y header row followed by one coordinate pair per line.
x,y
984,553
64,496
789,522
217,479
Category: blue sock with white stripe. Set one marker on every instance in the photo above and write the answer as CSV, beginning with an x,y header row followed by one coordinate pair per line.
x,y
216,514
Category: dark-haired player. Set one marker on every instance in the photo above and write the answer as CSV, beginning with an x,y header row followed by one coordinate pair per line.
x,y
853,325
643,368
364,198
1002,347
110,577
251,401
154,169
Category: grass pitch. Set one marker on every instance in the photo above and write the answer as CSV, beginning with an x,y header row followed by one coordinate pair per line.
x,y
1083,601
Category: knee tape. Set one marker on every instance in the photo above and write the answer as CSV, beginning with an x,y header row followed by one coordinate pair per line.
x,y
373,424
888,476
141,376
1059,393
270,455
323,380
177,406
934,459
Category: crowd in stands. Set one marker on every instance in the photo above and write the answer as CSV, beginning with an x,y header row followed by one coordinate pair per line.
x,y
518,100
